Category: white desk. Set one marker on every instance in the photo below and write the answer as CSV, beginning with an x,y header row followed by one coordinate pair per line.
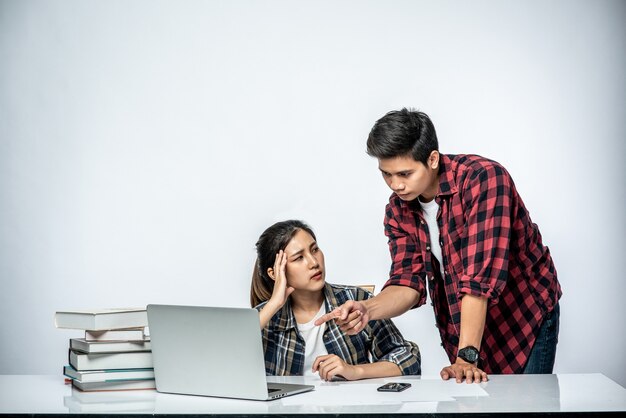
x,y
524,394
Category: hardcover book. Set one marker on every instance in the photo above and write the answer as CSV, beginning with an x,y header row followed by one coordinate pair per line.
x,y
84,346
115,385
131,334
102,319
109,375
130,360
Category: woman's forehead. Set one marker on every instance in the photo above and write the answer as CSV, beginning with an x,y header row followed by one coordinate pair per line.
x,y
300,240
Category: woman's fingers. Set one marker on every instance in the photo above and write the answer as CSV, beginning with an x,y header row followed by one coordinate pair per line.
x,y
327,367
283,262
318,360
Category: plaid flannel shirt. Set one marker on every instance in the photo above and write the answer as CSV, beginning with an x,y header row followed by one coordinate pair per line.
x,y
490,248
380,340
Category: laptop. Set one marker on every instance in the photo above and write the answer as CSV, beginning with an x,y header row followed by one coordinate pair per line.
x,y
211,352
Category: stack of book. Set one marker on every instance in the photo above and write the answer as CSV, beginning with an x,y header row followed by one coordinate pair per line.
x,y
115,352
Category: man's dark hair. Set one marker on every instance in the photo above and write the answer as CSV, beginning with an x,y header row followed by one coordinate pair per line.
x,y
403,132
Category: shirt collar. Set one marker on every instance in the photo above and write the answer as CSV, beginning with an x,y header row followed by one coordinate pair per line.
x,y
447,170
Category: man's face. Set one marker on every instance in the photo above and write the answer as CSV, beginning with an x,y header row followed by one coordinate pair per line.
x,y
409,178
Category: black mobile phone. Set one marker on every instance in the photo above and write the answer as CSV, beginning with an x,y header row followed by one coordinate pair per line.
x,y
394,387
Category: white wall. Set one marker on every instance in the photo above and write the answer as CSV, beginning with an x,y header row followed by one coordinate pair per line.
x,y
144,146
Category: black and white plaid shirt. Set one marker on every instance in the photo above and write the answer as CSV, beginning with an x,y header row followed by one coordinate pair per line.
x,y
379,341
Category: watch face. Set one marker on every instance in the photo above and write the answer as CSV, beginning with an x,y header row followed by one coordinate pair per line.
x,y
469,354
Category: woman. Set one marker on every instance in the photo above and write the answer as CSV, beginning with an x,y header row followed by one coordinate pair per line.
x,y
290,291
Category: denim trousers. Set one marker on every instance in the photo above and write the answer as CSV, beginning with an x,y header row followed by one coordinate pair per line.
x,y
541,359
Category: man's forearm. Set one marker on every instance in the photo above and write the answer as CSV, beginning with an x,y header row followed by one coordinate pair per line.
x,y
473,314
391,302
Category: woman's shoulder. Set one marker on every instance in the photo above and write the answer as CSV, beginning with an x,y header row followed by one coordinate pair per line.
x,y
343,293
260,305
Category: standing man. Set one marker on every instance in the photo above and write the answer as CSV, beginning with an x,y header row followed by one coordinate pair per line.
x,y
458,228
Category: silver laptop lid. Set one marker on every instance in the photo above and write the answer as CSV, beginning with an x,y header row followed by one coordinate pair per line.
x,y
207,351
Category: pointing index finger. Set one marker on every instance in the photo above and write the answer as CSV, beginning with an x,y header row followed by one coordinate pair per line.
x,y
326,317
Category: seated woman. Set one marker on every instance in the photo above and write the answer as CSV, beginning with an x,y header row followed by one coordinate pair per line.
x,y
290,291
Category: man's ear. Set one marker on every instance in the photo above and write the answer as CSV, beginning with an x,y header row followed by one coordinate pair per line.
x,y
433,160
270,272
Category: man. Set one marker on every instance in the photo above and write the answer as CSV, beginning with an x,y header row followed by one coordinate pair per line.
x,y
457,226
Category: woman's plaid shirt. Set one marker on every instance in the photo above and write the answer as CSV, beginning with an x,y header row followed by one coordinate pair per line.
x,y
490,248
380,340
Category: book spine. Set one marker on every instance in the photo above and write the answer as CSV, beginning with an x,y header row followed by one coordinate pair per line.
x,y
119,360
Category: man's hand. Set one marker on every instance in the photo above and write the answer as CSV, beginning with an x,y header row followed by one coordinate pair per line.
x,y
351,317
461,370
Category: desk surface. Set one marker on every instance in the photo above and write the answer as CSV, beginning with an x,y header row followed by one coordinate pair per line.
x,y
531,394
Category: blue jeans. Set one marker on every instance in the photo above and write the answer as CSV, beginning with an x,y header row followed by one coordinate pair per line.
x,y
541,359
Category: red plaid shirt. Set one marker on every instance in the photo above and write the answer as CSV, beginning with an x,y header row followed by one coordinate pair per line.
x,y
490,248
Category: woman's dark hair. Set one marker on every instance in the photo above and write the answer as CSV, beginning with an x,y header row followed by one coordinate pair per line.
x,y
271,241
403,132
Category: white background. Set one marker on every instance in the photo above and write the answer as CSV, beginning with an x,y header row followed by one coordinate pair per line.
x,y
144,146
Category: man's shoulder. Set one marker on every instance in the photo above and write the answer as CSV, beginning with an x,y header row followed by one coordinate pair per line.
x,y
471,162
467,169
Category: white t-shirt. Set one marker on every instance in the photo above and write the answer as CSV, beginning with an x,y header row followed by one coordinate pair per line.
x,y
313,341
430,210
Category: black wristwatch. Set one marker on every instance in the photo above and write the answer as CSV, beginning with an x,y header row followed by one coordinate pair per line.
x,y
469,354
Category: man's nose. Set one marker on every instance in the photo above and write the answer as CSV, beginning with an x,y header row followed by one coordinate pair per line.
x,y
396,185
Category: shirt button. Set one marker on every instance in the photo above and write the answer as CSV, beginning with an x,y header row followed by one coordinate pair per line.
x,y
428,248
441,243
422,222
431,278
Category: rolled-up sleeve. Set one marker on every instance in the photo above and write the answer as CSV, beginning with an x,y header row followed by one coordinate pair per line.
x,y
389,345
407,264
485,244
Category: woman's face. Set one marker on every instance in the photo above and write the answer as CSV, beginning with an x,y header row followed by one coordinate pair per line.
x,y
305,268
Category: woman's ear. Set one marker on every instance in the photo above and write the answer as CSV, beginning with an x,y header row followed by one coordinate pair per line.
x,y
270,272
433,160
